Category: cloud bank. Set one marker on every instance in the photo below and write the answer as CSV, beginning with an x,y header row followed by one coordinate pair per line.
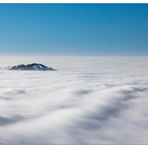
x,y
101,100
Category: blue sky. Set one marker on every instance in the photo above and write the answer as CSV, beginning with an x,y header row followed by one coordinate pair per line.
x,y
74,29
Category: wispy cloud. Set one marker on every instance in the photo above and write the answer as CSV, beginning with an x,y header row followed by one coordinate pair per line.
x,y
100,101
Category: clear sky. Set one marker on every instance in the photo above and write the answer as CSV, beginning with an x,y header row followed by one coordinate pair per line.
x,y
74,29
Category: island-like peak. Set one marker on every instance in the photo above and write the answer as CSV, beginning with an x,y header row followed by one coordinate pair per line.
x,y
33,66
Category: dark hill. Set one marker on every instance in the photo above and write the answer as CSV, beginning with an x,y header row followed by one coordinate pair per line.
x,y
33,66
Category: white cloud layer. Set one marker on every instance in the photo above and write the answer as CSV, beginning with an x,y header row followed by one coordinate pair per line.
x,y
89,100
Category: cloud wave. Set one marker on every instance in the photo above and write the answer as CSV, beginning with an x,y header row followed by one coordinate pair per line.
x,y
101,101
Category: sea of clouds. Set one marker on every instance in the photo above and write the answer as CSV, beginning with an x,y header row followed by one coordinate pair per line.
x,y
88,100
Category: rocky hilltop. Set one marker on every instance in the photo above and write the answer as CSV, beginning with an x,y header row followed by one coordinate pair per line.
x,y
33,66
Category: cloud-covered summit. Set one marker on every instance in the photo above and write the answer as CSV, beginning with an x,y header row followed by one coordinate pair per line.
x,y
33,66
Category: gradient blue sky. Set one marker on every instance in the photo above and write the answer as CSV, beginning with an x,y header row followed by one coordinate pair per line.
x,y
74,29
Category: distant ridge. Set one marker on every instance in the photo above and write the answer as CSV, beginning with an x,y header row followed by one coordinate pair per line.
x,y
32,67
